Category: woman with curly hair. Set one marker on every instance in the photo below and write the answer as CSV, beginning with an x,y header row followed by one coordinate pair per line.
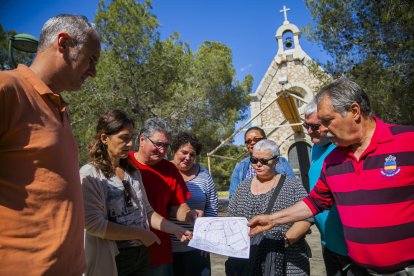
x,y
186,147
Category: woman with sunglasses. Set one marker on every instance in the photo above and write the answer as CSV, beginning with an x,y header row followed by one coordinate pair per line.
x,y
283,249
244,168
117,212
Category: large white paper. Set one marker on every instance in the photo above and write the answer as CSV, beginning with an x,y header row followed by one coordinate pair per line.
x,y
222,235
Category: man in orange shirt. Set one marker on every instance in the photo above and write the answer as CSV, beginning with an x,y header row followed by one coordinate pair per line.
x,y
41,215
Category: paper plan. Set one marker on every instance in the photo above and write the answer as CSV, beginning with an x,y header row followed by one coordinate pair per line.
x,y
222,235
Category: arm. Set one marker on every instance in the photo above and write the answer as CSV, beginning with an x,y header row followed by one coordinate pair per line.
x,y
96,220
297,212
235,179
184,213
297,231
178,207
118,232
164,225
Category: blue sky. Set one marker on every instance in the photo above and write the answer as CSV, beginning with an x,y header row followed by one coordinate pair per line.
x,y
248,27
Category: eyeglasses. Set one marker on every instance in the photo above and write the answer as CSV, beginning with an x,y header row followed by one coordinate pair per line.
x,y
314,127
255,139
263,161
159,145
127,193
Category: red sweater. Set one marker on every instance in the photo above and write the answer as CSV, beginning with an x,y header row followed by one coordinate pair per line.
x,y
165,188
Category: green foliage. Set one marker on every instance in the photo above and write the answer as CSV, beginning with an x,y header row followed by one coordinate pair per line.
x,y
221,169
147,77
373,43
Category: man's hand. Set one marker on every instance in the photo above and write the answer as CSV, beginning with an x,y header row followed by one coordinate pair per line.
x,y
191,215
150,238
183,235
259,224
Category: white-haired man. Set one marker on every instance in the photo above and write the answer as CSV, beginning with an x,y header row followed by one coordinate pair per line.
x,y
328,222
41,208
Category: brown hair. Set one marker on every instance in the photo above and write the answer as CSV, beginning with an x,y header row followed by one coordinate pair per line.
x,y
109,123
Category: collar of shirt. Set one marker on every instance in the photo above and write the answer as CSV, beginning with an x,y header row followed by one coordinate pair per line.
x,y
41,87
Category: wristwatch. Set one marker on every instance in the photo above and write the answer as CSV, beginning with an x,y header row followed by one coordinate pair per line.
x,y
287,243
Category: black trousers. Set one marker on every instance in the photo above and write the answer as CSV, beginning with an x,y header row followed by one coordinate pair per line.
x,y
335,264
192,263
133,261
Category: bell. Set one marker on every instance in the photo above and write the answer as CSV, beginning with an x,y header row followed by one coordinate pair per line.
x,y
288,42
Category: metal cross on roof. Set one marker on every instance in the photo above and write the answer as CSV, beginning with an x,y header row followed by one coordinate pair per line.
x,y
284,10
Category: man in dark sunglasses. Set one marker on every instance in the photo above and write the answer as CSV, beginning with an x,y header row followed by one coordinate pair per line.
x,y
369,175
244,169
334,249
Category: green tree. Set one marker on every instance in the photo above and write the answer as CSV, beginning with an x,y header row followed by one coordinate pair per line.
x,y
372,42
146,77
222,168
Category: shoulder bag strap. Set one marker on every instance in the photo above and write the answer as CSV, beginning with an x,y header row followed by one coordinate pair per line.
x,y
275,194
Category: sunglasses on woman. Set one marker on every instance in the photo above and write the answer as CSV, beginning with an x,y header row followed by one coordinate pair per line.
x,y
314,127
262,161
255,139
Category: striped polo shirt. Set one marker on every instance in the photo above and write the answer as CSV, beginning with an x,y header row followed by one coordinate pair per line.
x,y
203,197
374,196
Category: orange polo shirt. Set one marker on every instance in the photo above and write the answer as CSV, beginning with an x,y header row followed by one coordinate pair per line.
x,y
41,215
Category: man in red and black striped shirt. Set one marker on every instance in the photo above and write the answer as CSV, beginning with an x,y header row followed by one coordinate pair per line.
x,y
370,177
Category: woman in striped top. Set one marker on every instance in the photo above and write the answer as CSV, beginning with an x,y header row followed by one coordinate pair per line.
x,y
185,147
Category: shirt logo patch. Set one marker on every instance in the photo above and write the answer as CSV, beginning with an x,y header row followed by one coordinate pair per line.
x,y
390,166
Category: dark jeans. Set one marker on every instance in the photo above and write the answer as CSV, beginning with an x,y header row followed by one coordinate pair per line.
x,y
162,270
133,261
335,264
192,263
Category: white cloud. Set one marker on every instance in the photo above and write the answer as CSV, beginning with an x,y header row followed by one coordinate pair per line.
x,y
245,68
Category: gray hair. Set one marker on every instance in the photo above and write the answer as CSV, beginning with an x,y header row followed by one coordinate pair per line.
x,y
267,145
310,108
153,125
77,27
343,93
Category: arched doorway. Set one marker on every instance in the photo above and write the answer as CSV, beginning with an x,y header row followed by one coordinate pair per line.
x,y
299,159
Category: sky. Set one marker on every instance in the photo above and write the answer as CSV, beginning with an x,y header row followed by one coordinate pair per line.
x,y
248,27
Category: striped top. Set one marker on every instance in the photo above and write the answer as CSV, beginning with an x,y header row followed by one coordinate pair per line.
x,y
374,196
203,197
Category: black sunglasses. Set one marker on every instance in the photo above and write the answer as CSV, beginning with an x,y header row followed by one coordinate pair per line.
x,y
255,139
127,193
314,127
263,161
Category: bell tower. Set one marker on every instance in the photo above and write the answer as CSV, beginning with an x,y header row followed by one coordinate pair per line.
x,y
287,37
278,102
